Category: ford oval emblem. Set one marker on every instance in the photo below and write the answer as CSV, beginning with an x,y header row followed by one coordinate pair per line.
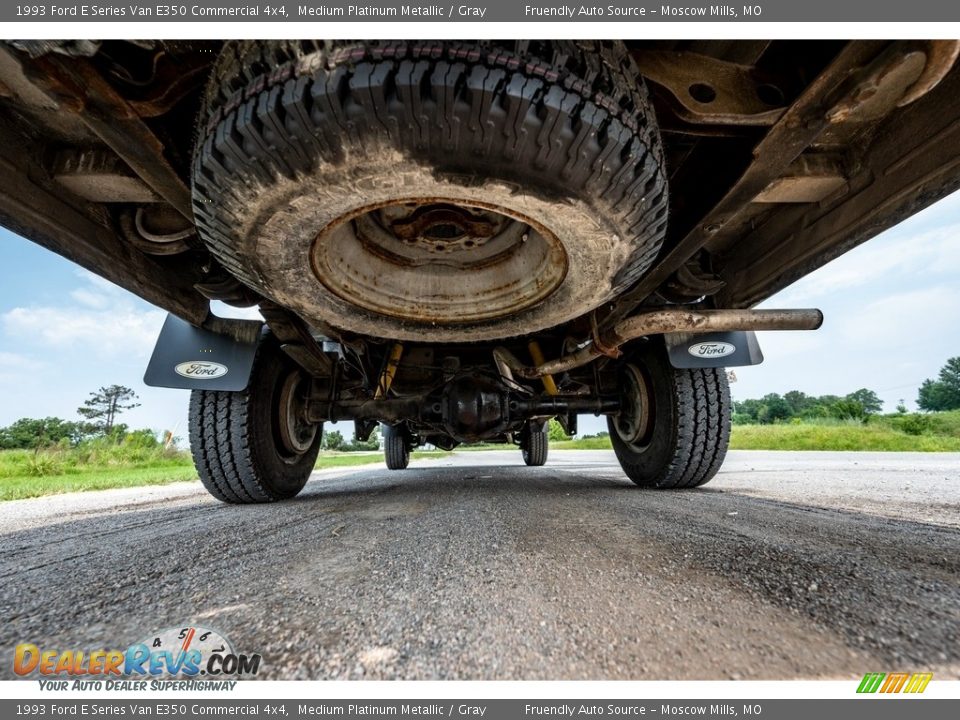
x,y
201,370
711,349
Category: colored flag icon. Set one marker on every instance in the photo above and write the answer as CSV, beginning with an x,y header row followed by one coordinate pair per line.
x,y
894,682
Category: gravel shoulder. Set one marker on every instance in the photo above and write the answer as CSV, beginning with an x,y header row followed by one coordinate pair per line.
x,y
788,565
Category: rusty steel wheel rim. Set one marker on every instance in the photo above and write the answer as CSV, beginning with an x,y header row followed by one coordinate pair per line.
x,y
296,434
634,423
438,260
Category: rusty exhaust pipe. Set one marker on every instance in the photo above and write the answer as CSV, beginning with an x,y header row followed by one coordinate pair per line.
x,y
669,320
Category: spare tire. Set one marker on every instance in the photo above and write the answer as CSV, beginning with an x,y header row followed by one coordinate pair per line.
x,y
431,189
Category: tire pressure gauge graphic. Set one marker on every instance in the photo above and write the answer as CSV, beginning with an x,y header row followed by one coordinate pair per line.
x,y
179,641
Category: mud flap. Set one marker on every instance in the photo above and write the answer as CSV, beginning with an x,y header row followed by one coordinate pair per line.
x,y
192,358
721,349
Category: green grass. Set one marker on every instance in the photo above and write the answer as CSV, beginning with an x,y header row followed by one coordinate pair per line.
x,y
101,465
913,432
92,466
940,423
837,437
27,486
910,432
590,443
336,459
92,456
25,474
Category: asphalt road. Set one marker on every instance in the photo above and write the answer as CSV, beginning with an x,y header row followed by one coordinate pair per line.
x,y
788,565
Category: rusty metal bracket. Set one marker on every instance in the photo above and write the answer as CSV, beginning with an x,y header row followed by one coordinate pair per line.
x,y
77,87
181,82
672,320
611,351
296,340
691,282
941,57
704,90
792,134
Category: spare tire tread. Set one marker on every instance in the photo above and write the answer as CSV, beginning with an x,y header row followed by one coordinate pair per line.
x,y
279,108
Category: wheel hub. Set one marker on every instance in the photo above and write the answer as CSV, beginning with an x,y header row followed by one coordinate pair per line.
x,y
439,260
442,229
634,422
296,434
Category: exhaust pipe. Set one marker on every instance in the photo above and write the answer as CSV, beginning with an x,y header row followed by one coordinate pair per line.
x,y
670,320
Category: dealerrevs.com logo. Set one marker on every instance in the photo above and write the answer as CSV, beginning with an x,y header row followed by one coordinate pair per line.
x,y
176,653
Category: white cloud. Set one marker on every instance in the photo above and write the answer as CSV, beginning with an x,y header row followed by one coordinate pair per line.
x,y
19,369
888,338
782,345
905,318
14,360
896,255
103,321
103,332
90,299
98,282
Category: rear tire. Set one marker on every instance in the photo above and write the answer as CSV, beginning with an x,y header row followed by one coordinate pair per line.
x,y
674,428
396,450
534,445
247,451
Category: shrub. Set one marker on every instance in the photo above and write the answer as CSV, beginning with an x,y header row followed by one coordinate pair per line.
x,y
911,424
555,432
141,439
43,464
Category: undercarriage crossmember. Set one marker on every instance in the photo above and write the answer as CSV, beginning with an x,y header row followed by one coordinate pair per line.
x,y
469,408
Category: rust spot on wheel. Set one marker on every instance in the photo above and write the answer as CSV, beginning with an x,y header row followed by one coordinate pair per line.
x,y
438,260
296,434
634,423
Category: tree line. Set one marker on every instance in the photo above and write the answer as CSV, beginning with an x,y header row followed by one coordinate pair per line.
x,y
774,408
99,413
334,440
935,395
944,392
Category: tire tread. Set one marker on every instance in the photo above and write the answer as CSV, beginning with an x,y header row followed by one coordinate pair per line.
x,y
223,439
699,438
278,108
395,449
535,446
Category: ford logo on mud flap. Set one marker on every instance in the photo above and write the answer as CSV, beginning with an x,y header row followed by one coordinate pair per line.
x,y
711,349
201,370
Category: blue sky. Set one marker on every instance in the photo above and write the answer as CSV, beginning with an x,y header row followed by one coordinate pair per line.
x,y
890,323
